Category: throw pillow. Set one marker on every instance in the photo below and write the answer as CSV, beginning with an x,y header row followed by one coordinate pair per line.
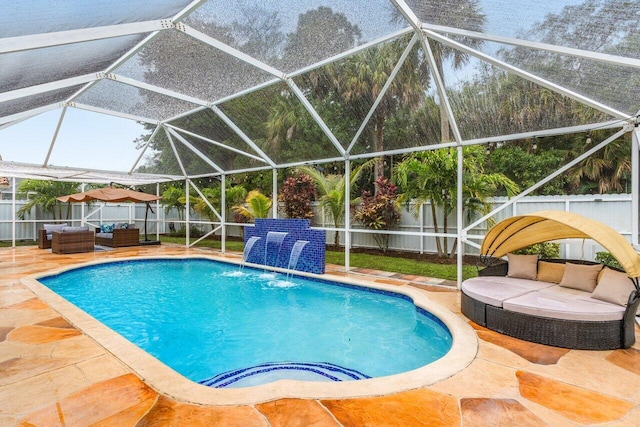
x,y
581,277
106,228
614,287
523,266
551,272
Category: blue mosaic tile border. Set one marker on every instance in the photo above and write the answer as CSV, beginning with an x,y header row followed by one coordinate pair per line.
x,y
327,370
312,257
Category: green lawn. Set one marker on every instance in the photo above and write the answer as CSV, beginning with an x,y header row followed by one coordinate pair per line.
x,y
375,262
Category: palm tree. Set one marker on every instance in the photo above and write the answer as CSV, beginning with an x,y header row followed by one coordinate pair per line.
x,y
431,176
458,14
256,205
361,79
45,193
173,197
331,192
609,168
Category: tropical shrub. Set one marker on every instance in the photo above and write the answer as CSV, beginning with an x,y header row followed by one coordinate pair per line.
x,y
256,205
545,250
296,195
380,211
607,259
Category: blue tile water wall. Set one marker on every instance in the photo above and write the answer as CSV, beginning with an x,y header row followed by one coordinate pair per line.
x,y
312,258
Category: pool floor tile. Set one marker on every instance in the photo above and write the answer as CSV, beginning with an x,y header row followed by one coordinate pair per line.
x,y
296,413
168,412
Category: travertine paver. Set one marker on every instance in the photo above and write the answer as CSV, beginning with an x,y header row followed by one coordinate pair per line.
x,y
497,412
51,374
297,413
578,404
167,412
124,398
412,408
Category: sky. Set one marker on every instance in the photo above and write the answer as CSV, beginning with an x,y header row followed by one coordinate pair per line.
x,y
98,141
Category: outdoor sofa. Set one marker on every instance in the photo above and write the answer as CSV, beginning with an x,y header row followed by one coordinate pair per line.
x,y
70,239
117,235
564,303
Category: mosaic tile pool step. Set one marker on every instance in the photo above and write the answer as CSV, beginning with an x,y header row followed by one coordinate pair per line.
x,y
268,372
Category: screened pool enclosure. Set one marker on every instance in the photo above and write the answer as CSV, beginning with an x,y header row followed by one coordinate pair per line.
x,y
136,92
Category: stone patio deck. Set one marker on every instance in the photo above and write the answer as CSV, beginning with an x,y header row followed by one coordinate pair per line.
x,y
52,374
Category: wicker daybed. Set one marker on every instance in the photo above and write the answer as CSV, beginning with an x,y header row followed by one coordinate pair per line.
x,y
563,303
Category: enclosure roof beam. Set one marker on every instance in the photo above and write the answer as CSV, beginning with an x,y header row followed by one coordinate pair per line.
x,y
526,75
242,135
228,49
30,113
144,149
55,137
111,112
157,89
216,143
47,87
38,41
175,151
307,105
197,152
561,50
442,90
384,90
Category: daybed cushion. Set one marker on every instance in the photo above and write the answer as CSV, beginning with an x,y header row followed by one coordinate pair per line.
x,y
558,306
523,266
74,229
494,290
551,272
582,277
614,287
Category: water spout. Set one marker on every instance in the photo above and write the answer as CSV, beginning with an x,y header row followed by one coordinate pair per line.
x,y
273,246
247,248
298,246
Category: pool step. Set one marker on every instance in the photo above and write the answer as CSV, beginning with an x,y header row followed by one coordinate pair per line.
x,y
268,372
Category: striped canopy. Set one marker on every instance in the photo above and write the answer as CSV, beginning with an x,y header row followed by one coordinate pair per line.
x,y
521,231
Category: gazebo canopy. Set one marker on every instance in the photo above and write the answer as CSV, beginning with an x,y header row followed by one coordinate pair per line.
x,y
521,231
206,78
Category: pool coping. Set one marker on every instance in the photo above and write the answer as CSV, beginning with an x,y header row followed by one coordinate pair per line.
x,y
167,381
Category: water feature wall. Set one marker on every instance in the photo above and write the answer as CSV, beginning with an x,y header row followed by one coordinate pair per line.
x,y
311,257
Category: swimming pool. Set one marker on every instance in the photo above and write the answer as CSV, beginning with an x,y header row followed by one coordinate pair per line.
x,y
224,326
161,377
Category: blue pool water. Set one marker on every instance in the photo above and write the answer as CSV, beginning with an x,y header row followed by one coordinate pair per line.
x,y
226,327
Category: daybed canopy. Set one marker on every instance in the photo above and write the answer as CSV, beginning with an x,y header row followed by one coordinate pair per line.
x,y
521,231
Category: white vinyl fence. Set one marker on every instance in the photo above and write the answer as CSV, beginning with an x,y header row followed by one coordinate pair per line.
x,y
613,210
